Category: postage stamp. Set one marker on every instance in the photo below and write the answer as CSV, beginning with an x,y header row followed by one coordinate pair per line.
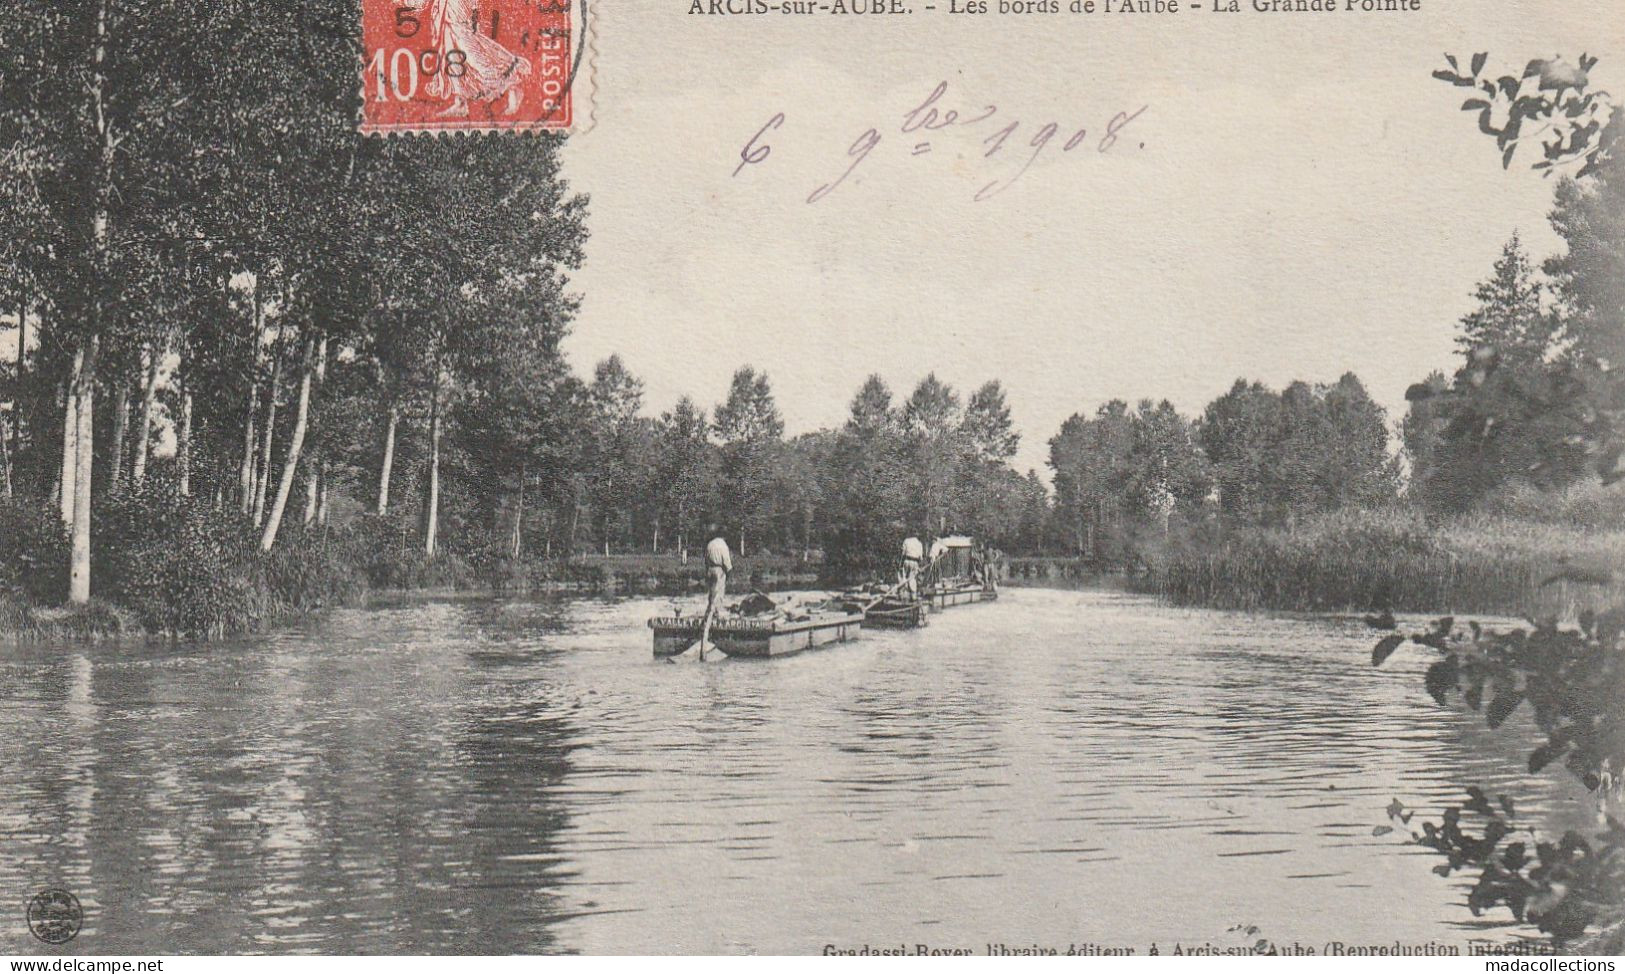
x,y
476,65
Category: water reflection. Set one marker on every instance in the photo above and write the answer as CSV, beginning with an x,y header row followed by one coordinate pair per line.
x,y
483,776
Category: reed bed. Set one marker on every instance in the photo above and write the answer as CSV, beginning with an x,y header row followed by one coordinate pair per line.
x,y
1394,559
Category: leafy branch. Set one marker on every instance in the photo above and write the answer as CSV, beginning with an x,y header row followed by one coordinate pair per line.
x,y
1551,103
1571,680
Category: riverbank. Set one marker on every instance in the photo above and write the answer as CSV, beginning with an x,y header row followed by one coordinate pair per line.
x,y
168,566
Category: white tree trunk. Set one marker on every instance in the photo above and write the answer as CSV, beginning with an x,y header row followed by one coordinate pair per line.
x,y
290,466
262,479
121,431
323,505
245,472
388,466
313,493
143,433
519,516
431,502
17,402
5,449
70,440
245,476
84,449
183,445
84,386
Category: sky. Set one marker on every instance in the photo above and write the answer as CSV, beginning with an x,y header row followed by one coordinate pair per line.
x,y
1298,199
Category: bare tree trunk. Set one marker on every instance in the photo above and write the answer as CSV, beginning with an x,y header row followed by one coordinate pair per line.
x,y
290,466
5,451
431,502
519,515
143,432
121,432
85,453
183,445
56,476
313,492
70,438
17,400
575,522
245,471
83,389
262,479
387,468
245,476
322,505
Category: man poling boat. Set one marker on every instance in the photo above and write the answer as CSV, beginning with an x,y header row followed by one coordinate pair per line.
x,y
956,572
719,564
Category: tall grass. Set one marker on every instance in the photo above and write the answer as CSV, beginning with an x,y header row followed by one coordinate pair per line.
x,y
1393,559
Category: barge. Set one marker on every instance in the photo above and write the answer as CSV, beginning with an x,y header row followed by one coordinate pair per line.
x,y
757,637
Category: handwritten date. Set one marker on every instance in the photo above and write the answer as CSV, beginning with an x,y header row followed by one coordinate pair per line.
x,y
1020,143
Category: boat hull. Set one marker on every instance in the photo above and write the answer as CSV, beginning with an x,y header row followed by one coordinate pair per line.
x,y
895,615
749,638
964,595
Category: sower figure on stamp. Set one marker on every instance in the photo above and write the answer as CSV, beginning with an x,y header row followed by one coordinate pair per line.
x,y
474,68
719,564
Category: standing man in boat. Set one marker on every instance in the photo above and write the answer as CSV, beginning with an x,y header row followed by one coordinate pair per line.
x,y
719,563
913,552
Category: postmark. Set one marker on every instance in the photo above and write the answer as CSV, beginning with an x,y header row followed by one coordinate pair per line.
x,y
55,916
471,65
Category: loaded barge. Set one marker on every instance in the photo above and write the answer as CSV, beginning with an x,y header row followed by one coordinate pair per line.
x,y
777,635
759,627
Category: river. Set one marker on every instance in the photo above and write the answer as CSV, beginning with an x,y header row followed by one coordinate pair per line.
x,y
475,775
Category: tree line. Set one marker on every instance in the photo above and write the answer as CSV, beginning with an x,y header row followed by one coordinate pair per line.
x,y
200,242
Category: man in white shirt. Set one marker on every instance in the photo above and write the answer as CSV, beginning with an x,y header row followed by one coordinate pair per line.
x,y
719,564
913,552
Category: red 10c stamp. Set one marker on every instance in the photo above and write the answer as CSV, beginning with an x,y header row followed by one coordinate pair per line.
x,y
482,65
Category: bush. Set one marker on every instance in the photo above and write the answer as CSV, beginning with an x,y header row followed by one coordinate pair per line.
x,y
388,554
1587,504
179,565
33,553
313,570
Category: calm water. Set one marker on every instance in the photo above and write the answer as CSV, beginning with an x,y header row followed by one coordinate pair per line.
x,y
479,776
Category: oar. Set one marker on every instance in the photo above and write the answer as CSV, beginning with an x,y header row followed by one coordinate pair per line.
x,y
885,595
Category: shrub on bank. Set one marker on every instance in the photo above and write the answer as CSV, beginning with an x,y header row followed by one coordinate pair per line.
x,y
33,553
388,552
184,567
313,569
181,566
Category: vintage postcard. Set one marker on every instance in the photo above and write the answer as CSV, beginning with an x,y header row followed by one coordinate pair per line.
x,y
1098,478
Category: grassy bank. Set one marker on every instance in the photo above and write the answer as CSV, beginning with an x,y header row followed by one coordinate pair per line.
x,y
1394,559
